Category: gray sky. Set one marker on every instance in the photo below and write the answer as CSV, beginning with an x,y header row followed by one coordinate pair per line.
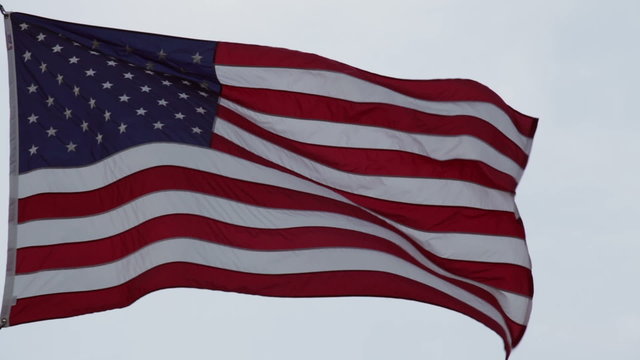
x,y
574,64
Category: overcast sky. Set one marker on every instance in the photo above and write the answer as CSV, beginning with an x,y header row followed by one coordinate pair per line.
x,y
574,64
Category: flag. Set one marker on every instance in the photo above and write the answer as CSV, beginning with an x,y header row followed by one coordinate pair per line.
x,y
141,162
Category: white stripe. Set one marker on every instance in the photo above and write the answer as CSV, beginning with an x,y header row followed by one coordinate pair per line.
x,y
471,247
249,261
342,86
135,159
71,230
422,191
448,245
60,231
371,137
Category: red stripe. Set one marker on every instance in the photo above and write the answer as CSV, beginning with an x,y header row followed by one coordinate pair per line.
x,y
444,218
304,106
91,253
431,218
435,90
381,162
129,188
343,283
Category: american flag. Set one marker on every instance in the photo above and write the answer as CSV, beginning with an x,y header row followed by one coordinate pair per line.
x,y
142,162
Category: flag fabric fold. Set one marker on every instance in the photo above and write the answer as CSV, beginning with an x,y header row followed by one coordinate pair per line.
x,y
141,162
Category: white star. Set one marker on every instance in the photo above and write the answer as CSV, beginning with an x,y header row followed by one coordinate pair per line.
x,y
162,55
185,82
67,113
203,93
112,63
84,126
128,76
107,85
122,128
166,82
41,37
59,78
51,132
26,56
33,118
57,48
107,115
71,146
93,52
197,58
183,96
149,66
200,110
24,26
99,138
33,150
196,130
50,101
145,89
158,125
124,98
149,72
204,85
43,67
141,111
179,116
95,44
75,43
73,60
92,103
32,88
76,90
162,102
90,72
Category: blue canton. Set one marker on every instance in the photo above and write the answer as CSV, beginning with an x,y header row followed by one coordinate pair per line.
x,y
85,93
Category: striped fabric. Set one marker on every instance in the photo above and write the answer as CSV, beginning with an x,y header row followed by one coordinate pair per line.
x,y
320,180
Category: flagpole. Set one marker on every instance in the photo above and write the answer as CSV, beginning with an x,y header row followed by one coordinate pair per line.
x,y
7,297
3,321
